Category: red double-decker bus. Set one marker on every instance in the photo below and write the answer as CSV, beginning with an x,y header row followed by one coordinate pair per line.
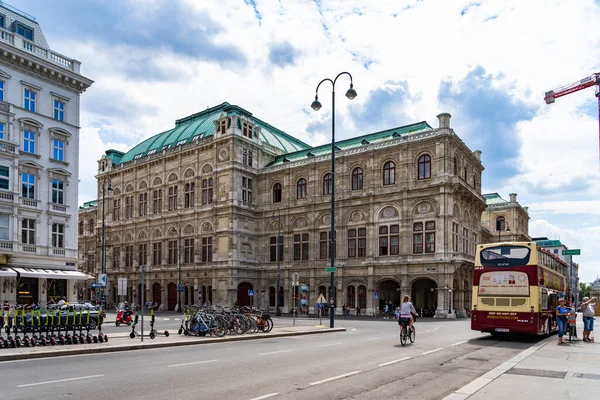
x,y
516,287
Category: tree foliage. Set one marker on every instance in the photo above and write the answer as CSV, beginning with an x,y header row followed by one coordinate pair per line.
x,y
584,290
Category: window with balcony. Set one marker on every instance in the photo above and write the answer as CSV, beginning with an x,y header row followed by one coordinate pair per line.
x,y
357,179
357,243
28,231
424,165
207,249
29,100
59,110
207,191
277,193
28,186
58,191
189,194
389,173
188,251
58,235
173,198
301,247
29,141
4,177
4,227
143,204
58,150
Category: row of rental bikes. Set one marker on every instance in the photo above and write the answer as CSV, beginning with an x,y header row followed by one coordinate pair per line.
x,y
32,325
220,321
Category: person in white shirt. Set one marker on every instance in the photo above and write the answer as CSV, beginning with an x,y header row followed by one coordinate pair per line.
x,y
588,308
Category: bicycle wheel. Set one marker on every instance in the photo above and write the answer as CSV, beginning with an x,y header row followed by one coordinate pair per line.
x,y
403,335
413,334
270,325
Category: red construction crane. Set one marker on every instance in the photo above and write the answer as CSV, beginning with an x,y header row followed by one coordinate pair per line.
x,y
592,80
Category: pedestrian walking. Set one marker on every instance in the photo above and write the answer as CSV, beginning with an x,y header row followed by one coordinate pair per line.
x,y
561,318
386,311
588,308
358,310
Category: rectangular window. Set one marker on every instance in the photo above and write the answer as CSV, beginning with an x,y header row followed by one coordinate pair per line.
x,y
2,126
2,21
418,237
474,244
273,249
244,156
389,240
249,158
29,141
4,227
246,190
157,201
58,148
28,187
172,252
58,235
4,177
173,198
59,110
156,253
426,236
466,241
357,242
129,256
117,257
29,99
455,238
301,247
143,253
116,209
207,191
189,194
58,191
28,231
128,207
325,245
188,251
24,31
206,249
143,204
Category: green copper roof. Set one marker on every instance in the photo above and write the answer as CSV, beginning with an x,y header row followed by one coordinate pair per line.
x,y
354,142
89,204
493,199
200,125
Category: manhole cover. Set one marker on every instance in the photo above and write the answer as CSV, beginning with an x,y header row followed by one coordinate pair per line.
x,y
537,372
587,376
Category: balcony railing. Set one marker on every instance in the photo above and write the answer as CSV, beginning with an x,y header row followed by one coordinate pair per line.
x,y
59,208
6,196
6,245
29,202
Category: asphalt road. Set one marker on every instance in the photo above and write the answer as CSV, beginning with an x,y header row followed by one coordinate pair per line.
x,y
365,362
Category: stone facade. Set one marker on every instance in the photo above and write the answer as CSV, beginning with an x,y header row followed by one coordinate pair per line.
x,y
408,209
504,221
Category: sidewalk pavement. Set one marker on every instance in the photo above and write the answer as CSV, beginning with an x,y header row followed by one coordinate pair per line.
x,y
546,370
122,342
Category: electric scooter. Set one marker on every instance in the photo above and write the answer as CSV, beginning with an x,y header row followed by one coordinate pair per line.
x,y
184,322
68,336
61,338
26,339
154,332
101,337
50,327
81,337
40,338
134,333
88,336
3,342
15,328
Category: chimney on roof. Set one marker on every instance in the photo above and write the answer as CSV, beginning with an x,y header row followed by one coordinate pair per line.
x,y
513,197
444,120
477,153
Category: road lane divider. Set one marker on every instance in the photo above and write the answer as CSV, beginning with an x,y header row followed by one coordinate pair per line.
x,y
61,380
373,338
274,352
459,343
432,351
335,378
385,364
266,396
191,363
330,344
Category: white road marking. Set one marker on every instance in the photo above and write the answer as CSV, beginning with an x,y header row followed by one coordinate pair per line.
x,y
191,363
374,338
266,396
456,344
335,377
177,319
330,344
395,361
61,380
166,319
432,351
353,329
275,352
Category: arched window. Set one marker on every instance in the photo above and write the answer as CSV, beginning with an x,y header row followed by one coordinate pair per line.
x,y
91,226
277,193
357,179
424,167
327,184
351,297
500,223
389,173
362,296
301,188
81,227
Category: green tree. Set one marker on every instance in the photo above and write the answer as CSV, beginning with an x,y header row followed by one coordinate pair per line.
x,y
584,290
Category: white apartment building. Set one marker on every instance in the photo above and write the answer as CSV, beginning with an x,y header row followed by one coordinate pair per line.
x,y
39,161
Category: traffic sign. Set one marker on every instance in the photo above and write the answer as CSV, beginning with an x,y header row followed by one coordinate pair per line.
x,y
250,292
376,295
330,269
180,288
96,285
572,252
321,299
102,279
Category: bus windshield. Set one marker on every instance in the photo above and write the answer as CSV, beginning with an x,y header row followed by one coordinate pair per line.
x,y
505,256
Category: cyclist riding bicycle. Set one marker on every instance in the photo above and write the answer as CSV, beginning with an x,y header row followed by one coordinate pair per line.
x,y
406,311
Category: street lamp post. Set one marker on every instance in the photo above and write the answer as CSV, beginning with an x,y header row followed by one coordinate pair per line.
x,y
105,188
277,309
316,105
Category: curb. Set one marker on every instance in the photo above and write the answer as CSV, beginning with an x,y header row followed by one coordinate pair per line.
x,y
150,345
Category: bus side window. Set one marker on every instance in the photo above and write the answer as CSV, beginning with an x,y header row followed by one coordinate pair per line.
x,y
544,300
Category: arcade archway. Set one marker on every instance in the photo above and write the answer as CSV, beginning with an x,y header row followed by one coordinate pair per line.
x,y
424,295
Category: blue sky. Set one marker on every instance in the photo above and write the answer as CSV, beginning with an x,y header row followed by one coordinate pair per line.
x,y
488,63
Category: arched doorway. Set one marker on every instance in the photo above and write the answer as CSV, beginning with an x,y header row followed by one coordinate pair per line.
x,y
424,295
171,296
243,298
157,294
389,293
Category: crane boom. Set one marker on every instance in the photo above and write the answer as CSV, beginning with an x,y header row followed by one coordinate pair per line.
x,y
592,80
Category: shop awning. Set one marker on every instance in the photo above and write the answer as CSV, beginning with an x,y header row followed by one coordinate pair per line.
x,y
7,272
50,273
